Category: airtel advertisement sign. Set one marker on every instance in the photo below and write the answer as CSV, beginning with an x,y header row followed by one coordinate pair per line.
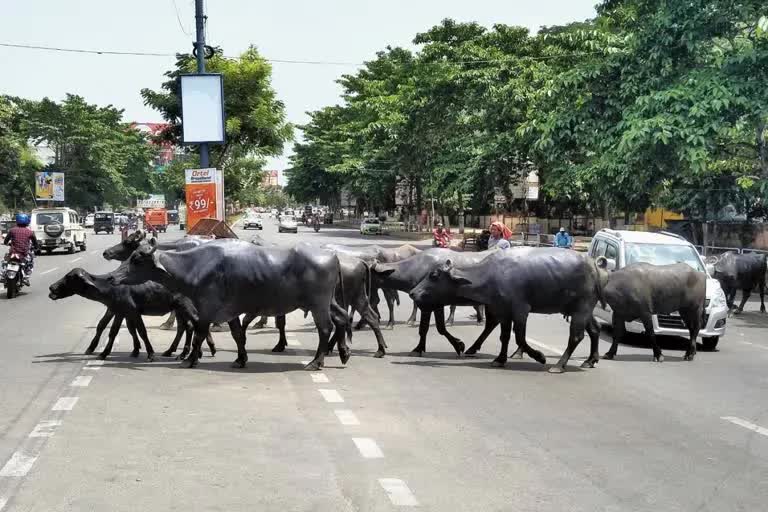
x,y
202,195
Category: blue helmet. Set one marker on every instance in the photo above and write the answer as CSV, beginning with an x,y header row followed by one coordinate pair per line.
x,y
22,219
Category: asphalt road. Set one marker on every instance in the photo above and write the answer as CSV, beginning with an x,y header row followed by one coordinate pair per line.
x,y
436,432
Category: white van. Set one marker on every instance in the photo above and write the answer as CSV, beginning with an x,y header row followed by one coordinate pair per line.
x,y
57,228
622,248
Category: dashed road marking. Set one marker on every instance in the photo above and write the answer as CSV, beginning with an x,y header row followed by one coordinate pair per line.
x,y
746,424
293,343
18,465
331,395
93,365
368,448
754,345
75,260
319,378
3,502
346,417
82,381
398,492
555,351
54,269
45,428
65,403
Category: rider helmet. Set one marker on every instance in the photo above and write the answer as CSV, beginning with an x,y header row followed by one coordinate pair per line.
x,y
22,219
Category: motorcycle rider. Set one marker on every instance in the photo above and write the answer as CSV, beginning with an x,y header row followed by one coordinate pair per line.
x,y
316,221
22,241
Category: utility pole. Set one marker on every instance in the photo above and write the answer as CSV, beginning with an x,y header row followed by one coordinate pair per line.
x,y
200,49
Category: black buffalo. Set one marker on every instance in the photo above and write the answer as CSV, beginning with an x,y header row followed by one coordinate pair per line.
x,y
741,272
513,283
227,279
129,302
641,290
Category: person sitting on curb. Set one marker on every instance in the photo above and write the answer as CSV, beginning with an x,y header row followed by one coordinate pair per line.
x,y
500,235
563,240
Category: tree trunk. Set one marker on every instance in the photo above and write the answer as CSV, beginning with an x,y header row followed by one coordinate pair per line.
x,y
762,147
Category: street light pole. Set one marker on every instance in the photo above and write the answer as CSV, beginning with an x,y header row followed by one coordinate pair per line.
x,y
200,49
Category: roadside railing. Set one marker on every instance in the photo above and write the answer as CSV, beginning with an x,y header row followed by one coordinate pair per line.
x,y
714,250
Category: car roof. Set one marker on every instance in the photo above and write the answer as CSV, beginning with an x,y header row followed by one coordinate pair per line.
x,y
643,237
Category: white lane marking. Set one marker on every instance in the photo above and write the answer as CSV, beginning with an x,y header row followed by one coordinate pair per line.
x,y
319,378
75,260
398,492
753,344
746,424
97,362
368,448
54,269
305,363
293,343
18,465
555,351
3,502
65,403
95,252
331,395
82,381
346,417
45,428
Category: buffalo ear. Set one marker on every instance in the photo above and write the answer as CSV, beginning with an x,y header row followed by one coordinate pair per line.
x,y
381,271
153,245
460,280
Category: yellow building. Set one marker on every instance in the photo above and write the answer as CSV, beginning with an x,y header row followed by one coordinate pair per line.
x,y
658,217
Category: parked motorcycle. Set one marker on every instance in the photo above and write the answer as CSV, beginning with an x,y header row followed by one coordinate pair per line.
x,y
12,275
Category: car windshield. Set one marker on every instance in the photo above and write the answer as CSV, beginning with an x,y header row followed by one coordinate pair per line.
x,y
371,221
287,218
43,219
103,216
663,254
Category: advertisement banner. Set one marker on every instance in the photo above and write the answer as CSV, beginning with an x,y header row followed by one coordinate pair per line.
x,y
153,201
201,195
49,186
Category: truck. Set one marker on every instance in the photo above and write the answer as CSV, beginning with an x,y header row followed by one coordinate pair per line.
x,y
156,219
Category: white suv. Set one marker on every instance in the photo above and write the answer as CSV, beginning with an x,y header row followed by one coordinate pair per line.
x,y
622,248
58,228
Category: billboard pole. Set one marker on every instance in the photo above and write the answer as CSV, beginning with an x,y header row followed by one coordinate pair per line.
x,y
200,50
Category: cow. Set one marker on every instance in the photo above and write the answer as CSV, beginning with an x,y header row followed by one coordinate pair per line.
x,y
513,283
129,303
227,279
741,272
373,254
641,290
406,274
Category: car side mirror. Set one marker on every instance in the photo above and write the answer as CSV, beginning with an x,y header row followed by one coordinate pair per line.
x,y
610,264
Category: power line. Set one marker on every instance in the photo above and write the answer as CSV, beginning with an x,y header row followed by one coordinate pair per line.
x,y
178,18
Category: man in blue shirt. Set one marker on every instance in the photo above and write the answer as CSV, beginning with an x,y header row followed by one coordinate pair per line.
x,y
563,240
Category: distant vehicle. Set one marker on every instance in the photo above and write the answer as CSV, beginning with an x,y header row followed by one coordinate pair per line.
x,y
5,226
371,226
287,223
88,221
157,218
58,228
173,217
253,221
104,221
622,248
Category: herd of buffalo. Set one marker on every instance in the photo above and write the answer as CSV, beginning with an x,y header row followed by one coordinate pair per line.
x,y
206,282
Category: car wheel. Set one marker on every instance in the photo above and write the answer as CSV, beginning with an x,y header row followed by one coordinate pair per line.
x,y
83,247
48,251
710,344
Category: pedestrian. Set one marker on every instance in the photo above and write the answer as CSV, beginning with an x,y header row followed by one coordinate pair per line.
x,y
441,237
563,240
500,235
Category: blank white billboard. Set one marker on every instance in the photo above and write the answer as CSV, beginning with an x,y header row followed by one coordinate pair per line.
x,y
202,108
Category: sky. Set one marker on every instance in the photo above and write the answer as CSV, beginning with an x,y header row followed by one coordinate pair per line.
x,y
349,31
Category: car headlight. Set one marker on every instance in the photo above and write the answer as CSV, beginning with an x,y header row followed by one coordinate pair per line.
x,y
718,300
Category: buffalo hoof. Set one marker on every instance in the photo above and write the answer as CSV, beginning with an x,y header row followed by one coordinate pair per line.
x,y
517,354
688,357
471,351
390,325
167,327
213,351
103,356
609,355
738,311
182,356
762,309
379,353
556,369
410,323
538,356
497,363
135,353
344,355
280,347
167,353
658,359
313,366
418,352
189,363
90,350
238,363
588,364
459,348
151,357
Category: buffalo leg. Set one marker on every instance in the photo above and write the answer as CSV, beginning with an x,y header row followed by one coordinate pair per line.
x,y
282,342
168,324
247,319
618,334
261,323
519,328
143,333
367,313
341,322
202,329
116,323
426,315
594,341
693,322
211,344
131,323
412,318
181,329
761,284
108,315
490,324
236,328
449,320
745,293
506,334
480,310
455,342
579,322
391,298
322,318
